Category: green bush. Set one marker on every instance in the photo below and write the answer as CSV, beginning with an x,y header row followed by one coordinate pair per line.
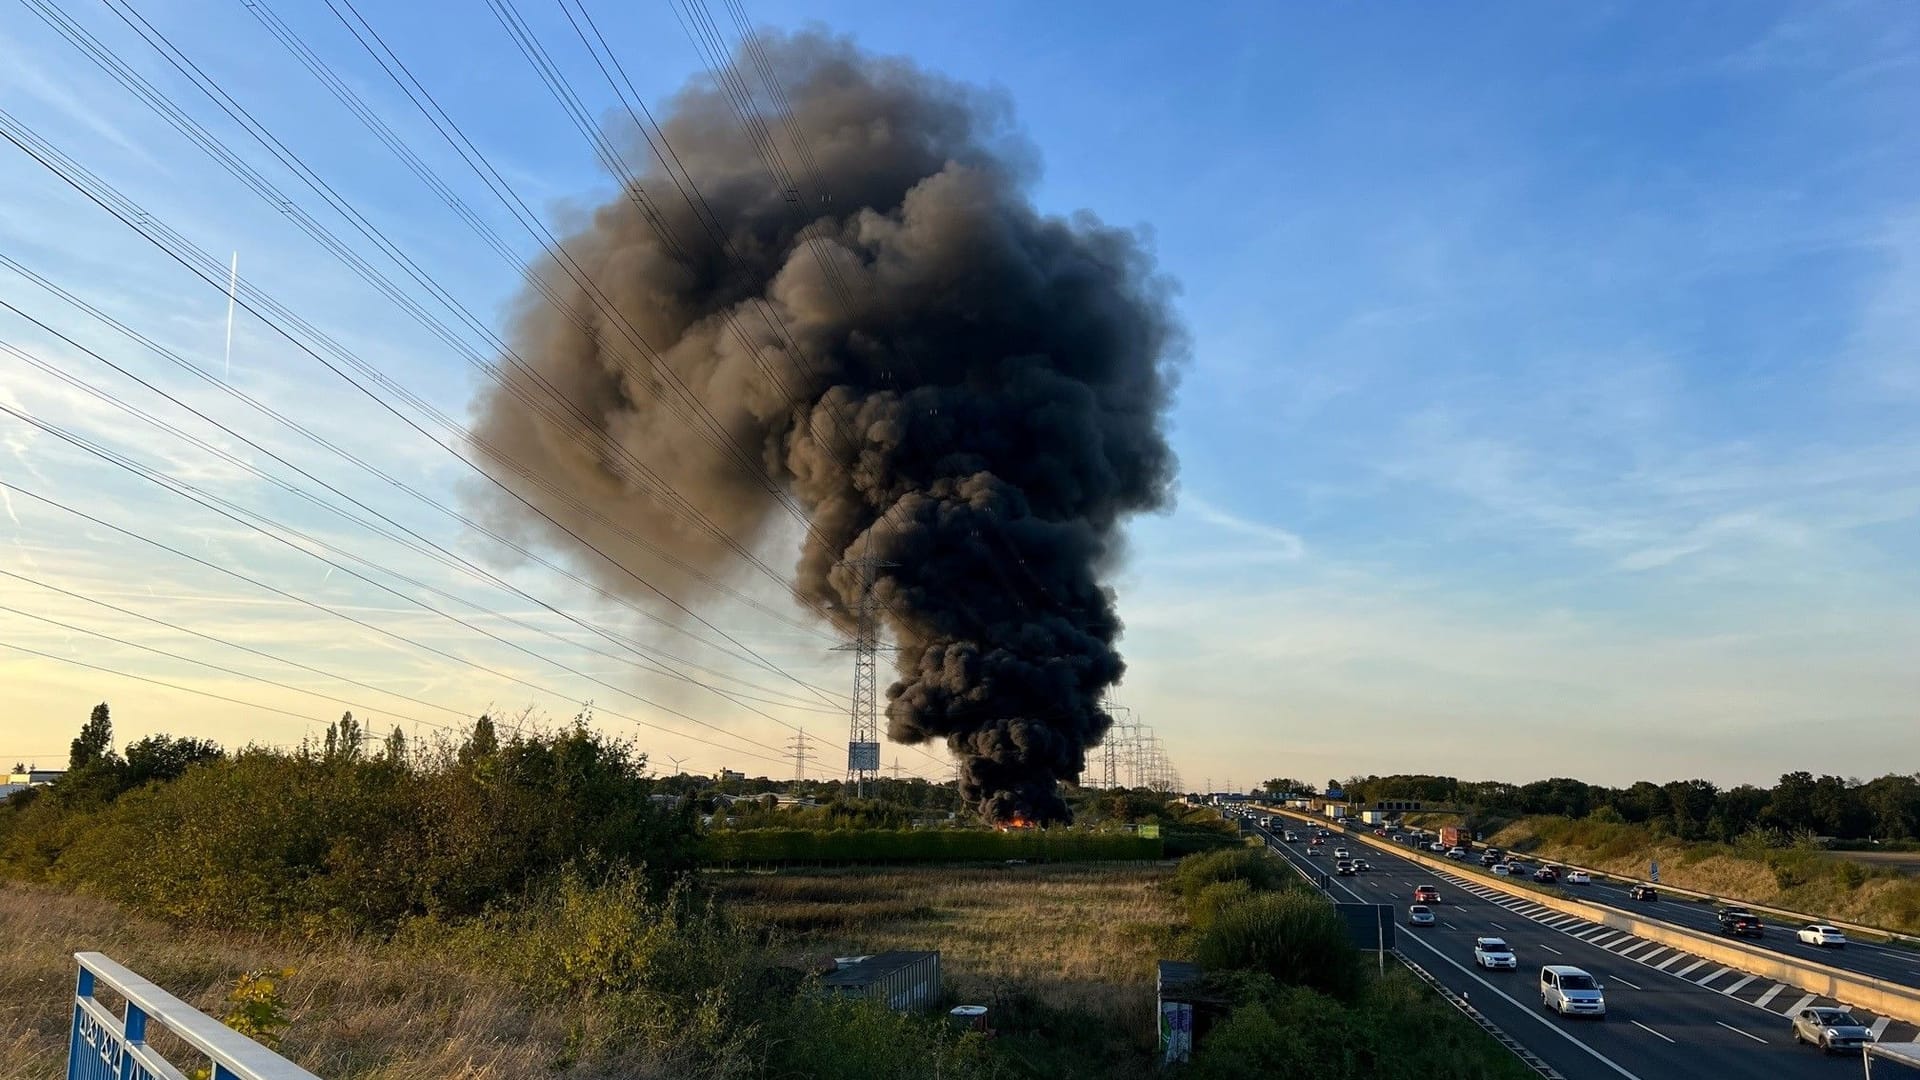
x,y
1294,936
1397,1031
1205,906
1261,871
270,838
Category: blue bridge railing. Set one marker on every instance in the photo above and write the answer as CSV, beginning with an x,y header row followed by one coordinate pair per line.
x,y
108,1047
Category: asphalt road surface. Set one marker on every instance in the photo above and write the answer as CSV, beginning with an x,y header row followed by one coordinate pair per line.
x,y
1670,1015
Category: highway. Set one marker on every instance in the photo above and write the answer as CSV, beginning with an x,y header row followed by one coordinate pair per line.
x,y
1892,963
1670,1015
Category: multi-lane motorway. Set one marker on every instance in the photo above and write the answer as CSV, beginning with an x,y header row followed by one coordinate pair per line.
x,y
1670,1015
1892,963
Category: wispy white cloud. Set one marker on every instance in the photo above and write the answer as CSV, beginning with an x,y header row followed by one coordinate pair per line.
x,y
1276,540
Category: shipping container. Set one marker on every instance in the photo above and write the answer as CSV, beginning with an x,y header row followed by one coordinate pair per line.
x,y
905,981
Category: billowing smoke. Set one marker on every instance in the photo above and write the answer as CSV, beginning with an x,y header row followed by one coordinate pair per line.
x,y
939,376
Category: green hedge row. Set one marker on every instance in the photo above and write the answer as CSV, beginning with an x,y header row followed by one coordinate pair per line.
x,y
768,846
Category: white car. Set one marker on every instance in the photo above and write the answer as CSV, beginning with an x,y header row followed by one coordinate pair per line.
x,y
1818,934
1502,870
1342,853
1570,991
1575,877
1457,853
1436,846
1494,954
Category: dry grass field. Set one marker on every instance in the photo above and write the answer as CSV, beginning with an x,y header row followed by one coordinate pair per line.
x,y
1078,937
357,1011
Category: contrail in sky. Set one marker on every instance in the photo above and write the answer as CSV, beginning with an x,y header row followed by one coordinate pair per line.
x,y
233,279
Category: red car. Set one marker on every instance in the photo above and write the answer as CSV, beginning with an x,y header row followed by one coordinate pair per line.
x,y
1426,894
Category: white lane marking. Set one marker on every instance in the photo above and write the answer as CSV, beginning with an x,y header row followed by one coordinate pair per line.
x,y
1637,947
1695,966
1672,960
1770,995
1624,982
1879,1027
1448,925
1599,935
1526,1011
1801,1004
1704,980
1647,957
1735,988
1650,1031
1496,925
1553,950
1737,1031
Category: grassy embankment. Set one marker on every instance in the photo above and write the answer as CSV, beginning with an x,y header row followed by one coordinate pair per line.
x,y
1836,885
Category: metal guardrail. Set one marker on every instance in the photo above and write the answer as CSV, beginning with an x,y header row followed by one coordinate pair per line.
x,y
108,1047
1768,909
1882,996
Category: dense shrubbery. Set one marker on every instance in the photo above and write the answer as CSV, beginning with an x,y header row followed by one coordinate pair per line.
x,y
766,847
1302,1003
334,836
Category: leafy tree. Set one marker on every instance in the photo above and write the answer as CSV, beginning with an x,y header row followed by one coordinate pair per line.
x,y
161,757
397,745
343,739
483,742
94,744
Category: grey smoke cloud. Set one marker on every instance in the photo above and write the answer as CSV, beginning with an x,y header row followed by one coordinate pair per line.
x,y
979,396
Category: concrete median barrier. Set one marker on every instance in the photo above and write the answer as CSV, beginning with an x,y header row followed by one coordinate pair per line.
x,y
1860,991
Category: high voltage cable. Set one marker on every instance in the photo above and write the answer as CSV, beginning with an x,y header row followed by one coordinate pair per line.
x,y
316,605
259,523
453,561
110,62
438,552
222,641
213,273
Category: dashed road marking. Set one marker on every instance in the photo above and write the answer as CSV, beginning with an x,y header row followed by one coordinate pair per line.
x,y
1735,988
1802,1003
1672,960
1650,1031
1879,1027
1695,966
1647,957
1737,1031
1625,983
1768,997
1553,950
1605,937
1705,979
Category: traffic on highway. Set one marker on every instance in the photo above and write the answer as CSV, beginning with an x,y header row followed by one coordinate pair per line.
x,y
1590,1001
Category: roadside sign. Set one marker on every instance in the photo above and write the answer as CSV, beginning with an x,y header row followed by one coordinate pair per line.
x,y
1653,871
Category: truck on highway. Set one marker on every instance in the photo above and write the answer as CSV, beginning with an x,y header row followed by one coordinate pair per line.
x,y
1452,836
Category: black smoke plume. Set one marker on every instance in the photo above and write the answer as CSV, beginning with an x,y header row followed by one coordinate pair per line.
x,y
973,392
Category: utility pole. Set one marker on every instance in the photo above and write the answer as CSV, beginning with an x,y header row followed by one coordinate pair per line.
x,y
895,768
799,748
863,735
1110,743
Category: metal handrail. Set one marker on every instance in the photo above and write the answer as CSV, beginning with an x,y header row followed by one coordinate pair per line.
x,y
108,1047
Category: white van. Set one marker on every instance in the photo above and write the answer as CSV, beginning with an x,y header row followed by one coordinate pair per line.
x,y
1570,991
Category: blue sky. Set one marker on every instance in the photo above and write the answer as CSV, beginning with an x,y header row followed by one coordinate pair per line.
x,y
1552,406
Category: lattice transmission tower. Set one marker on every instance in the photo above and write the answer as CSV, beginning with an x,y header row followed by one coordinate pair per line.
x,y
863,735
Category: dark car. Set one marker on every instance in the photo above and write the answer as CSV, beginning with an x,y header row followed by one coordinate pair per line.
x,y
1740,923
1546,875
1426,894
1643,892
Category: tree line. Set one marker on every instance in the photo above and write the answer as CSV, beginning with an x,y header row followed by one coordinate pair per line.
x,y
1886,808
